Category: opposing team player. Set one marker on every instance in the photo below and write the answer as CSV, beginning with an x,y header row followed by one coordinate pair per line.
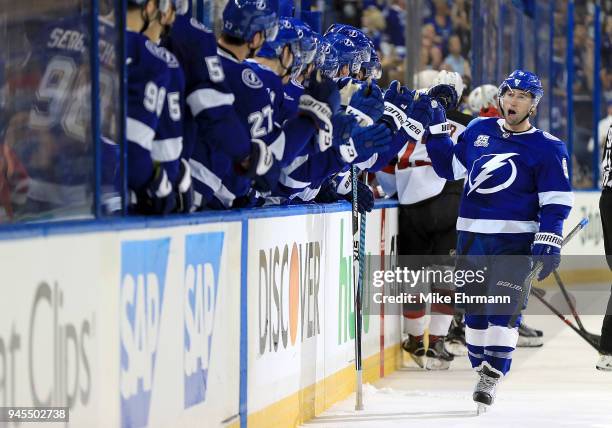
x,y
429,207
483,101
515,201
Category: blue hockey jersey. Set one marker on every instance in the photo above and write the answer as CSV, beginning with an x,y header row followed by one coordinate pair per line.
x,y
148,79
293,91
515,182
208,95
57,149
167,145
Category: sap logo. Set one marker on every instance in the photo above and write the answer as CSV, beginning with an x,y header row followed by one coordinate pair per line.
x,y
143,278
201,288
482,141
492,169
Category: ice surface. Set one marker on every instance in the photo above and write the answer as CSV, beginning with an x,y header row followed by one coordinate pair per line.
x,y
555,385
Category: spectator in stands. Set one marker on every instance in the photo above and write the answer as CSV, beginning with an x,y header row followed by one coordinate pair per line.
x,y
431,55
460,15
454,61
441,21
606,58
395,16
373,25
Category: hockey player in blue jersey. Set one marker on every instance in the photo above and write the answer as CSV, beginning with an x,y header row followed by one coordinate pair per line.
x,y
247,25
303,66
301,180
210,117
149,78
167,148
516,198
274,64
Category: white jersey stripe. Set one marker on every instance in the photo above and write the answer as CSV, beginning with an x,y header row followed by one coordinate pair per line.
x,y
206,176
204,99
560,198
139,133
496,226
167,150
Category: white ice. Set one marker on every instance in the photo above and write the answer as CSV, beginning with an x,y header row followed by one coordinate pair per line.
x,y
555,385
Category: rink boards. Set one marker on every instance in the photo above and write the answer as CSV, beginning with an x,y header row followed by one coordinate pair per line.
x,y
233,321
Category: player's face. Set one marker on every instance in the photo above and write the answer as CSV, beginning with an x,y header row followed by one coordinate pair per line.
x,y
516,105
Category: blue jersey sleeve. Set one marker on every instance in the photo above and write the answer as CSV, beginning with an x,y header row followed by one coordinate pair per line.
x,y
553,185
208,96
311,171
448,159
148,78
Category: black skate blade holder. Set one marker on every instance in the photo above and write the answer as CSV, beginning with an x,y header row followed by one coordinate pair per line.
x,y
535,271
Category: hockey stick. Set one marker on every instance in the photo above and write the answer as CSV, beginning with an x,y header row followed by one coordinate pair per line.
x,y
538,268
358,245
358,263
592,339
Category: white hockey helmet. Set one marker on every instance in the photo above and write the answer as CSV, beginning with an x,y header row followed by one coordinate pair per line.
x,y
482,97
451,78
425,78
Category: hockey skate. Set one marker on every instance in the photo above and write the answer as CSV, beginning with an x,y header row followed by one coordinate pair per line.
x,y
604,363
415,348
529,337
455,340
438,358
484,392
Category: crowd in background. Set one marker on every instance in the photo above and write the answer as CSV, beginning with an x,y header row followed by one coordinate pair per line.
x,y
445,45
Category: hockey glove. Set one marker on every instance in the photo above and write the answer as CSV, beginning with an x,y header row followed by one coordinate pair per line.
x,y
446,95
438,125
263,168
184,187
365,141
319,102
367,105
343,125
547,250
399,101
427,114
330,191
157,197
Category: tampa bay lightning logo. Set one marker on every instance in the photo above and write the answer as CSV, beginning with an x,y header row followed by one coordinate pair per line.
x,y
251,79
353,33
260,4
492,173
